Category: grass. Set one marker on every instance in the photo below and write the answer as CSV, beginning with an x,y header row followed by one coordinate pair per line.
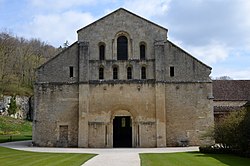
x,y
192,159
11,157
9,138
14,129
15,89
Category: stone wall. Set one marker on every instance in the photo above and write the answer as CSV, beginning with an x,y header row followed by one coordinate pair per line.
x,y
187,68
122,69
136,29
165,110
57,68
58,107
189,113
109,100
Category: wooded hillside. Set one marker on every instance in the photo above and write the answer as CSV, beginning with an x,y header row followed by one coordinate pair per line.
x,y
19,58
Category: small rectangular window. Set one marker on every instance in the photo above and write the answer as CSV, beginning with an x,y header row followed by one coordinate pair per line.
x,y
129,73
123,122
171,71
115,73
71,71
101,73
143,73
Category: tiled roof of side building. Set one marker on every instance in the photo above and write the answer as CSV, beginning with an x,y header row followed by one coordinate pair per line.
x,y
231,90
224,109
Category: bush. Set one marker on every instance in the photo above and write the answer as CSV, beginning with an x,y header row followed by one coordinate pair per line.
x,y
217,149
13,107
232,134
234,130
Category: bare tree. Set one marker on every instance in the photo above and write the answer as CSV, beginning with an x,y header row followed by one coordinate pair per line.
x,y
223,78
19,58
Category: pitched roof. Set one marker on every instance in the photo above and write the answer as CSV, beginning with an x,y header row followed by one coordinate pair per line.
x,y
122,9
174,45
225,109
231,90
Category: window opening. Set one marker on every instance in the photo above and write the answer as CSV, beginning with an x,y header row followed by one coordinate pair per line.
x,y
102,52
142,52
171,71
122,48
123,122
129,73
143,73
101,73
71,71
115,73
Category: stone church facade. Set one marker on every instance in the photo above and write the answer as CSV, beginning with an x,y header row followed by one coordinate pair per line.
x,y
122,84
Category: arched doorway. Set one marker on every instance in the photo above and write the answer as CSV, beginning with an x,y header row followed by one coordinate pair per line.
x,y
122,131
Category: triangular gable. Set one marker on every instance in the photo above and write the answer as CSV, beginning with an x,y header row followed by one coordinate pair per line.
x,y
118,10
57,55
197,60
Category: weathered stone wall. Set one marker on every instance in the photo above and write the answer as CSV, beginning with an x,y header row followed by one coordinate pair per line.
x,y
55,106
189,113
57,69
187,68
107,29
164,110
109,100
122,69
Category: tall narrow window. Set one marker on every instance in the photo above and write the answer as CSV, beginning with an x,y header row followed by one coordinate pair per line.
x,y
171,71
143,73
101,73
102,52
129,73
122,48
115,73
142,52
71,71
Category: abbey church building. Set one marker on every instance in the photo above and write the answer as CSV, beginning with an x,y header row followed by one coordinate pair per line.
x,y
122,84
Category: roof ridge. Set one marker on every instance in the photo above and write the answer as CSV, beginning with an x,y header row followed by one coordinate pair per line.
x,y
119,9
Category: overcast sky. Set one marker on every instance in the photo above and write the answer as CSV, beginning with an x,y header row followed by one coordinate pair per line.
x,y
215,31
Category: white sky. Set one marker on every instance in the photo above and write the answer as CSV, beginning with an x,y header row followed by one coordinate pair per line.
x,y
215,31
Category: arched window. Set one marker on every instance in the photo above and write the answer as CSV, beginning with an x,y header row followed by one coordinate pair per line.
x,y
129,73
115,73
142,51
102,52
101,73
122,48
143,73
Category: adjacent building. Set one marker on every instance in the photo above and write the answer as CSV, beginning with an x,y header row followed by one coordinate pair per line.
x,y
229,95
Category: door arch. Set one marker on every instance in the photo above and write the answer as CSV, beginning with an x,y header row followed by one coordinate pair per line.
x,y
122,131
118,131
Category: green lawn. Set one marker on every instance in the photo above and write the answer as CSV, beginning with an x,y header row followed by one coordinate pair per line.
x,y
10,157
14,129
22,137
192,159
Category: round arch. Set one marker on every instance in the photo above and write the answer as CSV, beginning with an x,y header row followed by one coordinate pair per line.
x,y
115,45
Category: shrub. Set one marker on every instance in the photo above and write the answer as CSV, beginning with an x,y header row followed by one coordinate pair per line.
x,y
13,107
232,134
228,131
